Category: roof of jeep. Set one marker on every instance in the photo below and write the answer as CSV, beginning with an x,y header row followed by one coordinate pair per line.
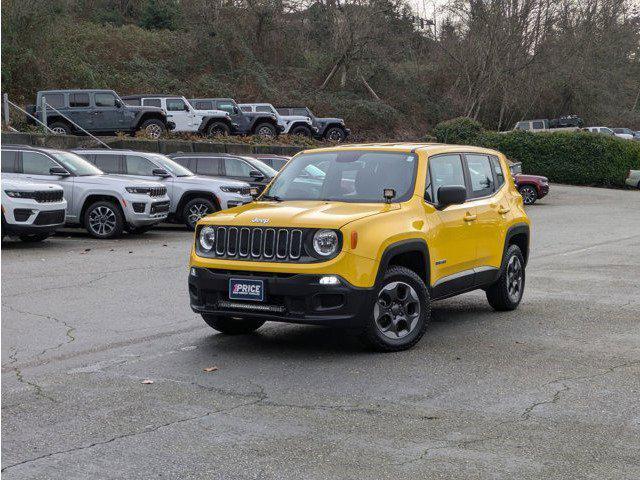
x,y
150,95
64,90
403,147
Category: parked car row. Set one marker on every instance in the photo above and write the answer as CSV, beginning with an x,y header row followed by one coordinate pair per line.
x,y
625,133
573,123
105,112
108,192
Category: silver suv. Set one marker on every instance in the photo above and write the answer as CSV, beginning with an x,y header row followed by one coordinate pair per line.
x,y
192,197
103,204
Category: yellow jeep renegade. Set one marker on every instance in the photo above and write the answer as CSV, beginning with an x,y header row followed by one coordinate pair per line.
x,y
366,237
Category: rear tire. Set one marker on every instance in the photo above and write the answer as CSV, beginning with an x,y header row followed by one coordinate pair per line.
x,y
153,128
301,130
506,293
195,209
265,130
35,237
232,326
398,313
529,194
218,128
104,220
61,128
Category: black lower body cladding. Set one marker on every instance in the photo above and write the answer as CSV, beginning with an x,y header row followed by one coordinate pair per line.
x,y
292,298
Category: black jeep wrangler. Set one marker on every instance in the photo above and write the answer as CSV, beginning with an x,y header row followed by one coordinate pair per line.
x,y
99,112
333,129
249,123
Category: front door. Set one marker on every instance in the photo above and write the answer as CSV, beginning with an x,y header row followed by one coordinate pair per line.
x,y
109,115
178,112
35,166
451,234
239,170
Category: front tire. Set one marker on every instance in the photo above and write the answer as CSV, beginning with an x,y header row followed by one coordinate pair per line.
x,y
506,293
104,220
232,326
153,128
398,313
35,238
195,209
301,130
529,194
218,128
60,128
335,134
265,130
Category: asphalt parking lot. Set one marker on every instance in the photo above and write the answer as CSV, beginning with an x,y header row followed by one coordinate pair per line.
x,y
551,390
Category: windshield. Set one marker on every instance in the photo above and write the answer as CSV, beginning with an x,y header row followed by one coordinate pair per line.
x,y
263,167
76,164
346,176
171,166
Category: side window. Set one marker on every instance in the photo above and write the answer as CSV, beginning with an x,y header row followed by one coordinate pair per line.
x,y
245,109
9,161
480,174
203,105
428,188
152,102
139,166
300,111
263,109
226,106
538,125
133,101
236,168
175,105
445,170
497,169
36,163
56,100
209,165
105,100
108,163
77,100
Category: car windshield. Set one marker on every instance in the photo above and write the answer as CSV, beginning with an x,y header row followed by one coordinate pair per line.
x,y
346,176
171,166
262,167
76,164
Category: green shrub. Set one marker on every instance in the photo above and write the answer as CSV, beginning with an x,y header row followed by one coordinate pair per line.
x,y
579,158
161,15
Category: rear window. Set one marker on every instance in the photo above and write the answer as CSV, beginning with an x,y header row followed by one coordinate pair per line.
x,y
9,161
152,102
55,100
202,104
105,100
209,165
108,163
133,101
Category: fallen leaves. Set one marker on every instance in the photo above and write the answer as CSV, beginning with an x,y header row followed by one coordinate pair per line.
x,y
147,382
210,369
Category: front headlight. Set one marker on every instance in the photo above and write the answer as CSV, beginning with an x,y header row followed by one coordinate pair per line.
x,y
325,242
138,190
207,238
18,194
238,190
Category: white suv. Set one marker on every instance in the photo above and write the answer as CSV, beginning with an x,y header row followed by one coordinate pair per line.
x,y
292,124
31,211
185,117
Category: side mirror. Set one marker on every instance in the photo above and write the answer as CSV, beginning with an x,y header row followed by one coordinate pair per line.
x,y
59,171
451,195
118,104
256,174
160,172
236,110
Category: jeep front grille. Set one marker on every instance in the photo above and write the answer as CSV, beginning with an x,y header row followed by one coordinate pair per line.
x,y
158,191
264,244
47,196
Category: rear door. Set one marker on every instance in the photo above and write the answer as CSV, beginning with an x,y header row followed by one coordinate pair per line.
x,y
80,110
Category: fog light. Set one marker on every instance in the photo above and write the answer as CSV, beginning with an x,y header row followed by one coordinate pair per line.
x,y
329,280
193,272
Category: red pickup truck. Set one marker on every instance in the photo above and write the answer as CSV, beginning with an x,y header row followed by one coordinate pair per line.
x,y
531,187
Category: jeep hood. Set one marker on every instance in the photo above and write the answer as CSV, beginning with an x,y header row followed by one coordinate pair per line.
x,y
137,109
304,214
212,113
329,120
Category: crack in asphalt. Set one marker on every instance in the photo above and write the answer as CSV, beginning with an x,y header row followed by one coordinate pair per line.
x,y
38,390
526,414
131,434
59,287
448,444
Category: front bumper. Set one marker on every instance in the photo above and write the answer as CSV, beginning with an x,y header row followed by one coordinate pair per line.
x,y
143,210
171,126
292,298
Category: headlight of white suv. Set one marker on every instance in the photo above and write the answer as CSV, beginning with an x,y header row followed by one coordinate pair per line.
x,y
207,238
238,190
325,242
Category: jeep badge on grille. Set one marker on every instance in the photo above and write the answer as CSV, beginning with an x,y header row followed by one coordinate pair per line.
x,y
259,220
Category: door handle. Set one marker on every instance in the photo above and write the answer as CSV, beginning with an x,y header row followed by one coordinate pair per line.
x,y
468,217
502,210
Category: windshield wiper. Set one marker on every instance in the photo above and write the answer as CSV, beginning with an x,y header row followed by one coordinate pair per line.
x,y
275,198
